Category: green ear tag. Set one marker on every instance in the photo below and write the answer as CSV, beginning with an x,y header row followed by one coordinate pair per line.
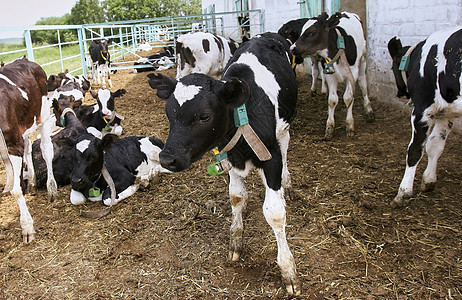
x,y
240,116
340,42
329,69
62,120
215,169
107,128
94,192
404,64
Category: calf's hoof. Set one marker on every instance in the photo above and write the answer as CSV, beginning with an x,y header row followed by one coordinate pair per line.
x,y
370,117
400,202
233,256
428,187
28,237
293,288
350,133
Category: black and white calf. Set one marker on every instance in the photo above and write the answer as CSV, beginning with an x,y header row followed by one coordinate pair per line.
x,y
200,111
23,107
434,86
100,62
292,31
202,52
63,142
130,161
102,117
55,81
154,60
321,37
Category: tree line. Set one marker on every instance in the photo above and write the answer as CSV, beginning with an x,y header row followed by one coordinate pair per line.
x,y
102,11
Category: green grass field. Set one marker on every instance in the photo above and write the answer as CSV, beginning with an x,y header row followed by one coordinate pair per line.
x,y
43,56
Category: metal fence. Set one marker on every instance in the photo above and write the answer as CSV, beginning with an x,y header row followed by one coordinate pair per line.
x,y
72,55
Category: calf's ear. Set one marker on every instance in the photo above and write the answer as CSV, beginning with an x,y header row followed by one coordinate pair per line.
x,y
234,92
118,93
165,85
395,47
109,140
94,95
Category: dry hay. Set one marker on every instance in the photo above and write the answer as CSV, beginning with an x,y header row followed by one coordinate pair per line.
x,y
170,239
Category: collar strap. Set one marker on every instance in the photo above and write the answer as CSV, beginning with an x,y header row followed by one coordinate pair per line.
x,y
102,55
62,119
244,129
404,64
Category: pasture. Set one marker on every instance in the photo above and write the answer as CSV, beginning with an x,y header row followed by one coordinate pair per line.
x,y
170,240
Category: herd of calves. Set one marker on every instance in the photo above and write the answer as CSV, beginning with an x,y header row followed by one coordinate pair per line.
x,y
236,99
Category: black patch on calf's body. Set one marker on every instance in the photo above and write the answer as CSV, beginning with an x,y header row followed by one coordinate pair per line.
x,y
449,80
206,45
350,45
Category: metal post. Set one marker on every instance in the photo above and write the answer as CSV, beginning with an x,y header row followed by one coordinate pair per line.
x,y
60,51
28,41
121,43
82,45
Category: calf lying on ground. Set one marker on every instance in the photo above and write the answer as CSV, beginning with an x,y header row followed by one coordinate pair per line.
x,y
260,79
55,81
433,82
63,142
130,161
202,52
324,37
23,107
154,60
102,117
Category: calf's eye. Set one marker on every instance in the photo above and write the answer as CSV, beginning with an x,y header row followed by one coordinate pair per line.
x,y
204,118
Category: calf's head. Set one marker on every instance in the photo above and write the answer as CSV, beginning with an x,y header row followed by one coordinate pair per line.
x,y
199,109
106,101
61,104
396,51
315,35
88,156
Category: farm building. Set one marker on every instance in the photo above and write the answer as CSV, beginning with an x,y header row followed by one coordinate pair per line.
x,y
411,21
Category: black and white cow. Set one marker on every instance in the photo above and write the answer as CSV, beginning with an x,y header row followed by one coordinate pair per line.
x,y
60,79
102,117
292,31
130,161
23,107
100,62
320,37
153,60
200,111
434,86
202,52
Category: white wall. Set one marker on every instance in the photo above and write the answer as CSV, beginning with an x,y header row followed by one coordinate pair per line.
x,y
411,21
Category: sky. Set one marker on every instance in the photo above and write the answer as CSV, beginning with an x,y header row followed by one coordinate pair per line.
x,y
27,12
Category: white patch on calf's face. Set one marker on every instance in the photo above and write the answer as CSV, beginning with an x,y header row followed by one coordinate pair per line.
x,y
82,145
104,96
185,93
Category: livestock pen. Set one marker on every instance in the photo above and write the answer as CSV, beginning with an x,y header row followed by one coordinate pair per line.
x,y
70,51
170,240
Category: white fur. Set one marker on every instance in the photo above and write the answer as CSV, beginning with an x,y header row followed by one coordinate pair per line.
x,y
184,93
82,145
23,93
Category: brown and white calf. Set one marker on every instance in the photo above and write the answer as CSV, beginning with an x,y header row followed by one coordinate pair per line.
x,y
23,108
202,52
321,37
434,86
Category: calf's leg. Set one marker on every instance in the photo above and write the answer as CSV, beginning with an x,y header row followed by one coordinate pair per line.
x,y
238,198
275,215
434,148
332,102
414,154
25,219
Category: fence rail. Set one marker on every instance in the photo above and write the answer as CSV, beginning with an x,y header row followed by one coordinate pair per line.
x,y
72,55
